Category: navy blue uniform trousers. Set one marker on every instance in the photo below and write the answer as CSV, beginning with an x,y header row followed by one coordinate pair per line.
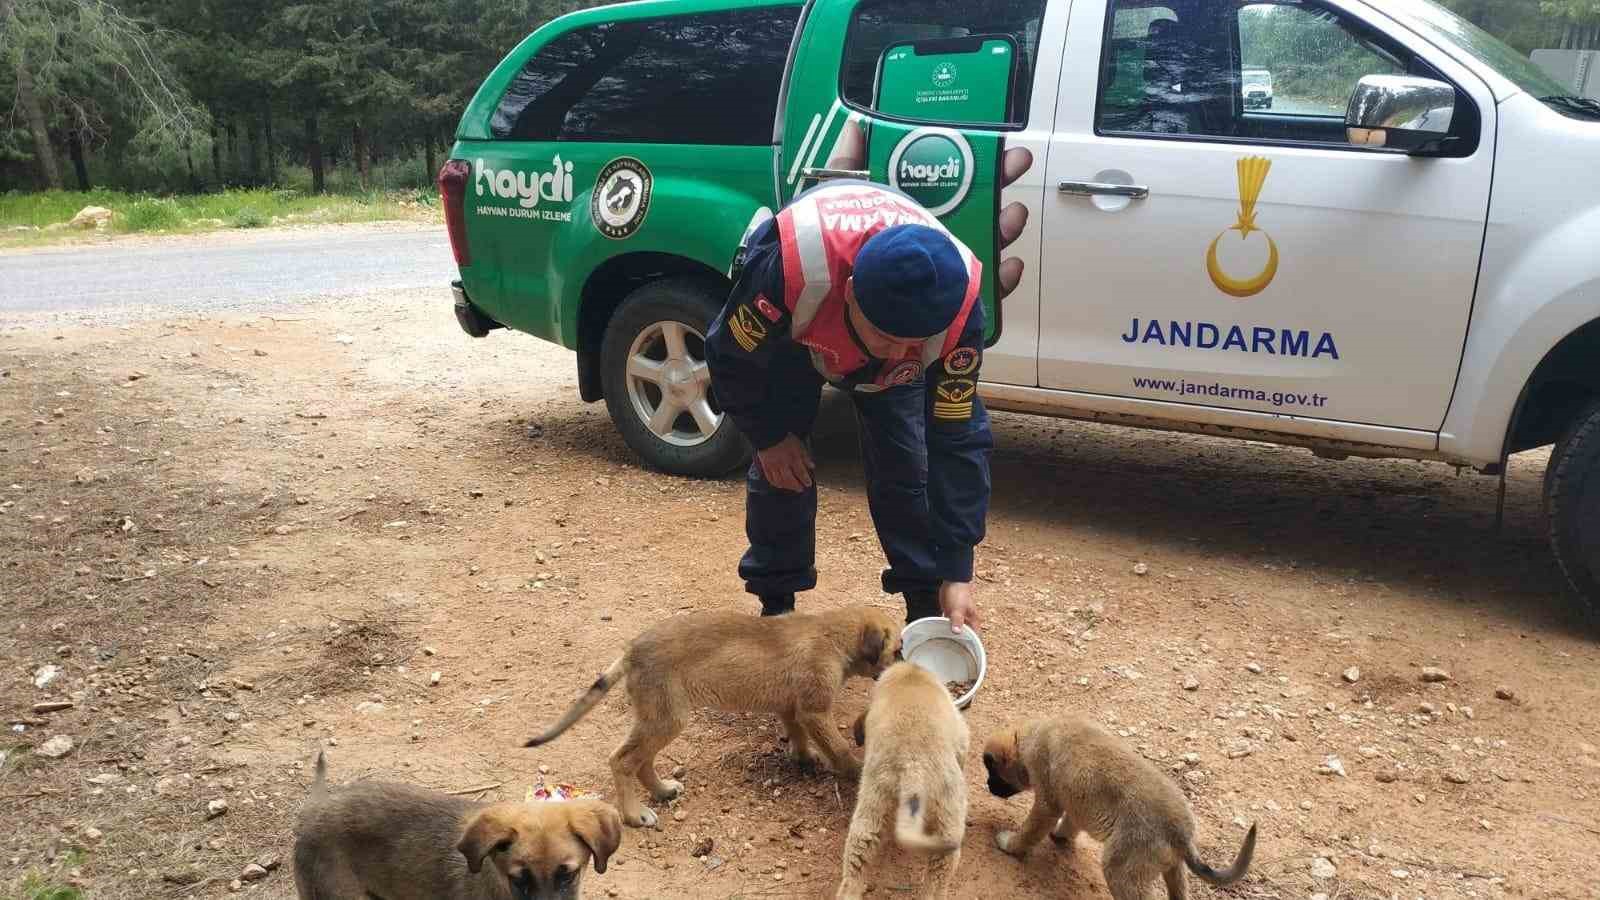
x,y
782,525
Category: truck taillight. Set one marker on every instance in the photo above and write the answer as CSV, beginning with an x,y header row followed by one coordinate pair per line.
x,y
453,194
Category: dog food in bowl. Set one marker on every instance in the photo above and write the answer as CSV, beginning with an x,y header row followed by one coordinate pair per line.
x,y
957,660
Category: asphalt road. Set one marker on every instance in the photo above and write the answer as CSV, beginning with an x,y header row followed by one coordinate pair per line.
x,y
217,271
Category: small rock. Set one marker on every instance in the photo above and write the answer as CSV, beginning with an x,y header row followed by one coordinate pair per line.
x,y
1191,683
235,886
1141,569
269,861
1456,776
1352,675
92,217
605,616
703,848
1322,868
1434,675
216,808
1401,874
680,816
429,651
259,352
50,706
252,872
1333,765
55,748
1386,776
369,708
433,679
1191,759
105,778
43,675
1427,709
678,772
345,339
93,834
232,716
1253,668
1504,693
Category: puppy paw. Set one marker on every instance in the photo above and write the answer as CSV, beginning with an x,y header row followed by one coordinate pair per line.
x,y
1006,841
667,791
644,818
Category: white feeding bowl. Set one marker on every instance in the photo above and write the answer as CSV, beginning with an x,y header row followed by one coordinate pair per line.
x,y
930,644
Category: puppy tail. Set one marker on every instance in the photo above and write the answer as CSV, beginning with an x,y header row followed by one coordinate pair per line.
x,y
910,826
590,699
1241,863
319,781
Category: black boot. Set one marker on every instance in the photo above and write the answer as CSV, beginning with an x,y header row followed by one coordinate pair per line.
x,y
777,604
922,605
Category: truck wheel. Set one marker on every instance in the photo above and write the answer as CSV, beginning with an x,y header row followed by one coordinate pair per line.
x,y
657,383
1572,506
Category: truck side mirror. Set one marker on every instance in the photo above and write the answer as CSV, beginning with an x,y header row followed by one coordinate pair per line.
x,y
1401,112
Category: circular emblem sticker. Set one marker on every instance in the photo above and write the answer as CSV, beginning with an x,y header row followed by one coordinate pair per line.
x,y
944,75
934,167
621,198
961,361
905,373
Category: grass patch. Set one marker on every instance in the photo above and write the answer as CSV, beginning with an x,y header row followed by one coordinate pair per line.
x,y
40,217
36,888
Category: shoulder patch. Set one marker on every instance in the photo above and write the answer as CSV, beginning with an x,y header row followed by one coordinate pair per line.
x,y
767,309
747,327
952,399
905,373
962,361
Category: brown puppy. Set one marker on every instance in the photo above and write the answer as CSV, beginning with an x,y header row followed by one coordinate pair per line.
x,y
915,740
373,839
791,666
1090,781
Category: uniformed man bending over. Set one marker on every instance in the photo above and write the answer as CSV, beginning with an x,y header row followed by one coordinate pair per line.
x,y
855,284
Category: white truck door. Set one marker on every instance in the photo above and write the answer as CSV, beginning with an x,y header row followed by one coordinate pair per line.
x,y
1272,267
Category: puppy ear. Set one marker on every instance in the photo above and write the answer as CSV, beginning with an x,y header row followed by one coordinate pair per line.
x,y
599,826
859,730
484,834
872,643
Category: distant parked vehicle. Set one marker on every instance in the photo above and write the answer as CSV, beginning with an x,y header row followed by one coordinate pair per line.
x,y
1257,87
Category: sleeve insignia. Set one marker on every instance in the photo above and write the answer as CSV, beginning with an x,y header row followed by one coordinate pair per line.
x,y
747,328
952,399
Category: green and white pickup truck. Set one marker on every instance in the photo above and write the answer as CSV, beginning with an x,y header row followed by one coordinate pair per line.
x,y
1396,258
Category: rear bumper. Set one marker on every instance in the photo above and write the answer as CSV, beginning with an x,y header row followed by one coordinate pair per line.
x,y
471,319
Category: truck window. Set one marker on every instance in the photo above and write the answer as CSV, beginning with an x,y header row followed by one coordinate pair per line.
x,y
876,24
1264,70
697,79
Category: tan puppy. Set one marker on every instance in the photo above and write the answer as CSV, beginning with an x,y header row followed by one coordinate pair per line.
x,y
791,666
915,740
374,839
1090,781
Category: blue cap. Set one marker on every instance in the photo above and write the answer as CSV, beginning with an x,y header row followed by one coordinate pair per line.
x,y
910,281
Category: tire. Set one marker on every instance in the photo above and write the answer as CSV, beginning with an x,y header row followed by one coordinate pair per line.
x,y
1572,507
652,362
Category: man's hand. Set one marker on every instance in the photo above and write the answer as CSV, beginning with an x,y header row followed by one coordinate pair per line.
x,y
955,598
787,464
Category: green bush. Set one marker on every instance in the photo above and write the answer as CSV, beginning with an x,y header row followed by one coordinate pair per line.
x,y
250,217
150,215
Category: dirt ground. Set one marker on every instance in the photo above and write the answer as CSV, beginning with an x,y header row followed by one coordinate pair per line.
x,y
242,538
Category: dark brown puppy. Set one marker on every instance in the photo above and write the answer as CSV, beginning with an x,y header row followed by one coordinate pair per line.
x,y
1085,779
398,842
790,666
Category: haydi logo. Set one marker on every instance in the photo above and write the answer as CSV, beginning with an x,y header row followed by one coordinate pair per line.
x,y
930,173
527,188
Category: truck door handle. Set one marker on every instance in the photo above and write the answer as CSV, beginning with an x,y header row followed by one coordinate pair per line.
x,y
821,174
1095,188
